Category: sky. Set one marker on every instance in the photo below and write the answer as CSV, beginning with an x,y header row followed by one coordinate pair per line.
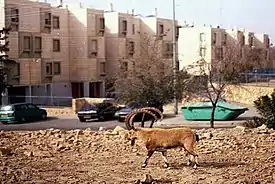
x,y
253,15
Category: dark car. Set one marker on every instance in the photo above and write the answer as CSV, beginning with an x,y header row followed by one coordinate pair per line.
x,y
21,112
101,111
123,112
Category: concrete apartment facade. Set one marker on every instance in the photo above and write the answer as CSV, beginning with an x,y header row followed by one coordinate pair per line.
x,y
209,43
59,52
128,36
66,51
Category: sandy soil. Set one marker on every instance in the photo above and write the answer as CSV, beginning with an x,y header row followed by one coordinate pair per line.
x,y
231,156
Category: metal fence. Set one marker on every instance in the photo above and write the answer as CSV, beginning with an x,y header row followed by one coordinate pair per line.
x,y
258,79
42,100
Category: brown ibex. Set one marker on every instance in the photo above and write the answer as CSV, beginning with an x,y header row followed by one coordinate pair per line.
x,y
161,139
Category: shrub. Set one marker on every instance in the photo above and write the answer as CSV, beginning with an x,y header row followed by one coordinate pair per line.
x,y
265,106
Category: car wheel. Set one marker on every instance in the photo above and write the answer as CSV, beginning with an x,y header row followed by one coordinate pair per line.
x,y
82,120
4,122
44,117
120,119
101,118
23,120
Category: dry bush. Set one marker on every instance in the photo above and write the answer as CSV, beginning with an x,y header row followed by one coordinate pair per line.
x,y
148,75
225,69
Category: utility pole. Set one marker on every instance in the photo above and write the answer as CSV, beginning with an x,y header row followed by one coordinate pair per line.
x,y
175,61
30,82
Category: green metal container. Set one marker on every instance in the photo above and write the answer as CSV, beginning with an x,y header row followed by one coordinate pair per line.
x,y
202,111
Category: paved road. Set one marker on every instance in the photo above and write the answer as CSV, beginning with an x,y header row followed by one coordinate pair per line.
x,y
69,123
60,123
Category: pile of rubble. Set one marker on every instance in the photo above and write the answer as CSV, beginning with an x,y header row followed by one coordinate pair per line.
x,y
84,156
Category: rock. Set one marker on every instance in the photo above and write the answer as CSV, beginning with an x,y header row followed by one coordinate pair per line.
x,y
117,130
61,147
262,127
28,153
87,132
207,135
238,127
6,152
101,129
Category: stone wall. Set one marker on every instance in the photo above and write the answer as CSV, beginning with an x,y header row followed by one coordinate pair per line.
x,y
239,94
246,94
77,103
59,111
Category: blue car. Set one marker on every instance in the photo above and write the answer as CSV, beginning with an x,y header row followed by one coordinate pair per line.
x,y
123,112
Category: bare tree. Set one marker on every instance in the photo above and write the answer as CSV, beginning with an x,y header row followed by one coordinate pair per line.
x,y
147,76
226,68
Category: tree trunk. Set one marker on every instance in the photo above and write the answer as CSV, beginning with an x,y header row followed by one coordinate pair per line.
x,y
212,118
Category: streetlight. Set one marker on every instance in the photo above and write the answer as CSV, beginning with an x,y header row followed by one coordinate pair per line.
x,y
175,62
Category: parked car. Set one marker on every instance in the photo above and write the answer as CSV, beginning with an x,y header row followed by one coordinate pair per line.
x,y
124,111
101,111
21,112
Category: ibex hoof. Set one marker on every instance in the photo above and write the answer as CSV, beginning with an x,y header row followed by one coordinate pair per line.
x,y
143,165
195,166
166,165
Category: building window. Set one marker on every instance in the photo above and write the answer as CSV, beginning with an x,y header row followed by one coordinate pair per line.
x,y
214,38
124,25
56,68
47,19
49,67
56,45
27,43
251,40
161,29
101,23
132,47
133,29
267,43
202,52
16,69
177,31
14,15
168,52
242,40
224,39
37,44
124,66
219,53
56,22
102,67
92,47
202,37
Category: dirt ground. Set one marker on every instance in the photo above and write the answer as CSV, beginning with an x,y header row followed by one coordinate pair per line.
x,y
231,156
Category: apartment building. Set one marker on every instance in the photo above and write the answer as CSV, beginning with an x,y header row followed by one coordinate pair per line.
x,y
58,50
122,41
87,51
161,29
210,43
128,36
67,51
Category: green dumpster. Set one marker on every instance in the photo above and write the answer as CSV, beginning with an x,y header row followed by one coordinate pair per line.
x,y
202,111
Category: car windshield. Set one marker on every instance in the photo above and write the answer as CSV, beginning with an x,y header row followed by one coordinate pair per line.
x,y
88,107
6,108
